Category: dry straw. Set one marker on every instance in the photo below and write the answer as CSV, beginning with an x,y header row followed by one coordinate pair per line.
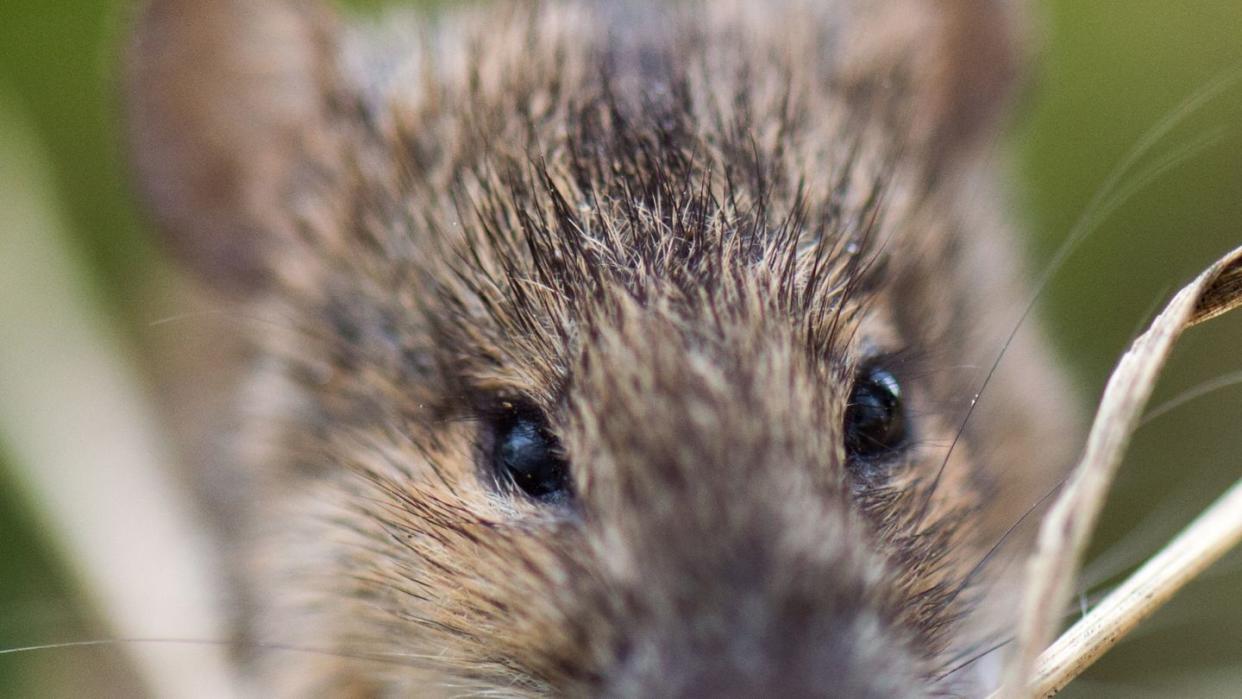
x,y
1065,531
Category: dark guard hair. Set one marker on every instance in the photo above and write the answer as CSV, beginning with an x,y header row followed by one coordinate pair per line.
x,y
669,243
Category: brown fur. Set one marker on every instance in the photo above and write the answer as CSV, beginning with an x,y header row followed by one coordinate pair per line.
x,y
676,231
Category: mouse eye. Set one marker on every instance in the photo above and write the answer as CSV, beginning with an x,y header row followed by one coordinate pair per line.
x,y
875,420
526,454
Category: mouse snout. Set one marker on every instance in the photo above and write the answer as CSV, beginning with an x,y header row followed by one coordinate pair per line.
x,y
741,576
735,561
754,626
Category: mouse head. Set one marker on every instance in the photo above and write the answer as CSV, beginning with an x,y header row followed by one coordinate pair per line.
x,y
609,350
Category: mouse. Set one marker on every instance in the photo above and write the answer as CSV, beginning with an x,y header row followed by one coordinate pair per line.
x,y
609,349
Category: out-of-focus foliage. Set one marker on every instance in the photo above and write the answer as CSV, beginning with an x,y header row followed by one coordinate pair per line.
x,y
1109,71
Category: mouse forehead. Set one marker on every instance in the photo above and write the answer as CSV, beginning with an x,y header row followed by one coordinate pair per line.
x,y
548,274
615,206
528,190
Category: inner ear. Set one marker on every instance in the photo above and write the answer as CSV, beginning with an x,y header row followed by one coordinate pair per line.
x,y
221,96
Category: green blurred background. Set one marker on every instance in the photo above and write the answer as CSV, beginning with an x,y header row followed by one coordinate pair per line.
x,y
1109,71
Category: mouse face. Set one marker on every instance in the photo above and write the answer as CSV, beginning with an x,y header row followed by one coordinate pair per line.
x,y
622,352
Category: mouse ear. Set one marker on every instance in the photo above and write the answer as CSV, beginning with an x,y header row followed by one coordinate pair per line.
x,y
221,95
957,60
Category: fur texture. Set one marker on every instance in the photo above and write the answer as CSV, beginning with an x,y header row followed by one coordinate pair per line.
x,y
678,232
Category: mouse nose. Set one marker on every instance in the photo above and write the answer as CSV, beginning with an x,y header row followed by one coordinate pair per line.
x,y
739,616
844,654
